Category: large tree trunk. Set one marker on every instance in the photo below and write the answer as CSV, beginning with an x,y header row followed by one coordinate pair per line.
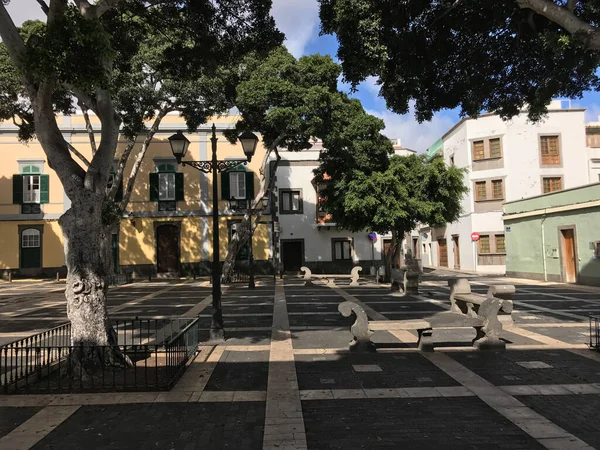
x,y
88,265
392,253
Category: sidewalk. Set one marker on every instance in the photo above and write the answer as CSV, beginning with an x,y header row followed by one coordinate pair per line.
x,y
293,385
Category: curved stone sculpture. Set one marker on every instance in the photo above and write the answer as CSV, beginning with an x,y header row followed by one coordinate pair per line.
x,y
360,328
458,286
354,275
307,276
504,292
488,336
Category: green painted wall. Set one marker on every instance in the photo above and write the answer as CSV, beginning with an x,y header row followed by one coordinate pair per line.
x,y
583,194
524,244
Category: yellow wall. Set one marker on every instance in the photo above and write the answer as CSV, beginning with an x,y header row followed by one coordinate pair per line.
x,y
136,244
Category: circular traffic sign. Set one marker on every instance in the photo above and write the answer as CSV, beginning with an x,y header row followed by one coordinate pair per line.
x,y
474,236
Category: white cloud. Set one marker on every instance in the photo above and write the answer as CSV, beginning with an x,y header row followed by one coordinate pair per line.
x,y
414,135
299,20
22,10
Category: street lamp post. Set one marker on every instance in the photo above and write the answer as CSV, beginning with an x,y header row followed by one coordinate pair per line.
x,y
179,146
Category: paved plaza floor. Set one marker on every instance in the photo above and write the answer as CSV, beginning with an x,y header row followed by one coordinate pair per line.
x,y
285,380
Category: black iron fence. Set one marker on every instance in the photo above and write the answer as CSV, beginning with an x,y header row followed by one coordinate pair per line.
x,y
595,332
149,354
120,278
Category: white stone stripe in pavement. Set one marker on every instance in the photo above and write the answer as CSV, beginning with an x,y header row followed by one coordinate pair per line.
x,y
284,423
36,428
537,426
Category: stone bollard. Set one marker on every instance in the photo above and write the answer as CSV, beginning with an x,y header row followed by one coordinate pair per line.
x,y
57,276
10,277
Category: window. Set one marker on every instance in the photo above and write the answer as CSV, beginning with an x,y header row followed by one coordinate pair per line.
x,y
30,238
342,249
550,151
237,184
497,189
452,160
166,186
596,248
478,150
31,189
480,191
500,244
495,149
291,202
551,184
484,244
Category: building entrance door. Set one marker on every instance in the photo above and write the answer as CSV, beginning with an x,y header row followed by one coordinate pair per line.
x,y
167,249
456,252
568,255
292,254
387,243
443,252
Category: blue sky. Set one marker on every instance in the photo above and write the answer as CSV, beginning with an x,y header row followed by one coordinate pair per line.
x,y
299,20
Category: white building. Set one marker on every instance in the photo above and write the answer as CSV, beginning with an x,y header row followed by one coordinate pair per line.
x,y
506,161
307,236
592,131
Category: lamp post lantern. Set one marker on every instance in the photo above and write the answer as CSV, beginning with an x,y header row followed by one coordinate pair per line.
x,y
179,146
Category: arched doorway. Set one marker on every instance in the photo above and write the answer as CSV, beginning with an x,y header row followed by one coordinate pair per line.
x,y
167,248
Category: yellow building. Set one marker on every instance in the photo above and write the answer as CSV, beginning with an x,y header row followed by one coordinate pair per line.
x,y
168,226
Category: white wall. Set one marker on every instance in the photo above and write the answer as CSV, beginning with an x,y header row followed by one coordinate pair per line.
x,y
317,243
522,171
593,156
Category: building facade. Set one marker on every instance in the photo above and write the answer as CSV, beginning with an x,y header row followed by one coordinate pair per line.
x,y
555,237
592,132
167,228
505,161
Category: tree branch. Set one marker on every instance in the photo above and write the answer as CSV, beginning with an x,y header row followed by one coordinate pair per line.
x,y
44,7
95,11
88,127
140,157
565,18
78,154
13,41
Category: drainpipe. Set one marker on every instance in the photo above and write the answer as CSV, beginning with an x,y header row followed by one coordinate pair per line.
x,y
544,247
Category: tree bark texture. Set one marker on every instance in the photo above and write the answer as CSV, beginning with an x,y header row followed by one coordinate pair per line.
x,y
393,252
87,255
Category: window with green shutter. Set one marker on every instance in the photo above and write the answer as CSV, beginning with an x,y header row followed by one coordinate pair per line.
x,y
17,189
44,189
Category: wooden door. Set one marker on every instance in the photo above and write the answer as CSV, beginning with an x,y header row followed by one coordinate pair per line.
x,y
456,252
167,249
387,243
292,255
569,264
443,253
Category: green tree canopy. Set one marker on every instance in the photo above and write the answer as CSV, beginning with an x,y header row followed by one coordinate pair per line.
x,y
496,56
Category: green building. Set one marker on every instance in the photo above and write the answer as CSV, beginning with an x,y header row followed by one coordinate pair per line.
x,y
555,237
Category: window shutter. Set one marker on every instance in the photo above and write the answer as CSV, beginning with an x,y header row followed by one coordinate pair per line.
x,y
119,193
153,187
225,186
179,186
44,189
249,185
17,189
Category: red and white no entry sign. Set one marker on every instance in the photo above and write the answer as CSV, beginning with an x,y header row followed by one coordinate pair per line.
x,y
474,237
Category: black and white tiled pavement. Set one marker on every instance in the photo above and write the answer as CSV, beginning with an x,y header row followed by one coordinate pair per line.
x,y
284,380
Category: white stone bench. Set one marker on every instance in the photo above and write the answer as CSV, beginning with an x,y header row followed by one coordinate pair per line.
x,y
309,277
468,311
406,280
